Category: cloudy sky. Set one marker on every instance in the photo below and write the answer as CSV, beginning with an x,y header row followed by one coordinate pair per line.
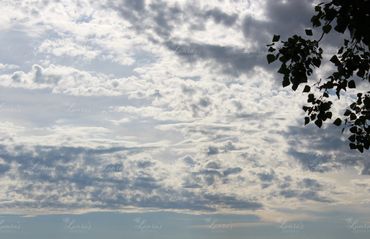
x,y
166,113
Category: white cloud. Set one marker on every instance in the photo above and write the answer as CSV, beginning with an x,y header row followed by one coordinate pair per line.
x,y
197,123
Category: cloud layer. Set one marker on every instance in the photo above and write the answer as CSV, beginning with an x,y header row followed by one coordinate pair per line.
x,y
168,105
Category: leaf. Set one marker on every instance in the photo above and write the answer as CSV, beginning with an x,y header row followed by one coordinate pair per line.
x,y
316,62
326,28
306,120
348,112
353,129
360,148
286,82
353,106
352,138
361,73
308,32
352,84
307,88
340,51
311,98
270,58
283,69
328,115
294,87
353,116
276,38
352,146
318,123
313,116
335,60
338,122
341,28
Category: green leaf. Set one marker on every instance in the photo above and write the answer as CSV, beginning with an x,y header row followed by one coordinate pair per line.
x,y
352,84
338,122
276,38
270,58
308,32
307,88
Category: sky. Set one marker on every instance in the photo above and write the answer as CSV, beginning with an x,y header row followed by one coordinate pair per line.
x,y
138,118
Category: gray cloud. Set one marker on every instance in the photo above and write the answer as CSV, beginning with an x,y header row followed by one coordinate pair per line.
x,y
323,150
284,18
47,175
231,60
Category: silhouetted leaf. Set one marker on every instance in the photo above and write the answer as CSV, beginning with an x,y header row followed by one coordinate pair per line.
x,y
270,58
335,60
353,129
307,88
318,122
328,115
306,120
338,122
326,28
308,32
348,112
351,84
276,38
294,87
316,62
352,138
286,82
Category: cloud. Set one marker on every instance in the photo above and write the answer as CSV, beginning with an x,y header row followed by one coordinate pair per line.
x,y
165,105
103,178
323,151
65,80
278,19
